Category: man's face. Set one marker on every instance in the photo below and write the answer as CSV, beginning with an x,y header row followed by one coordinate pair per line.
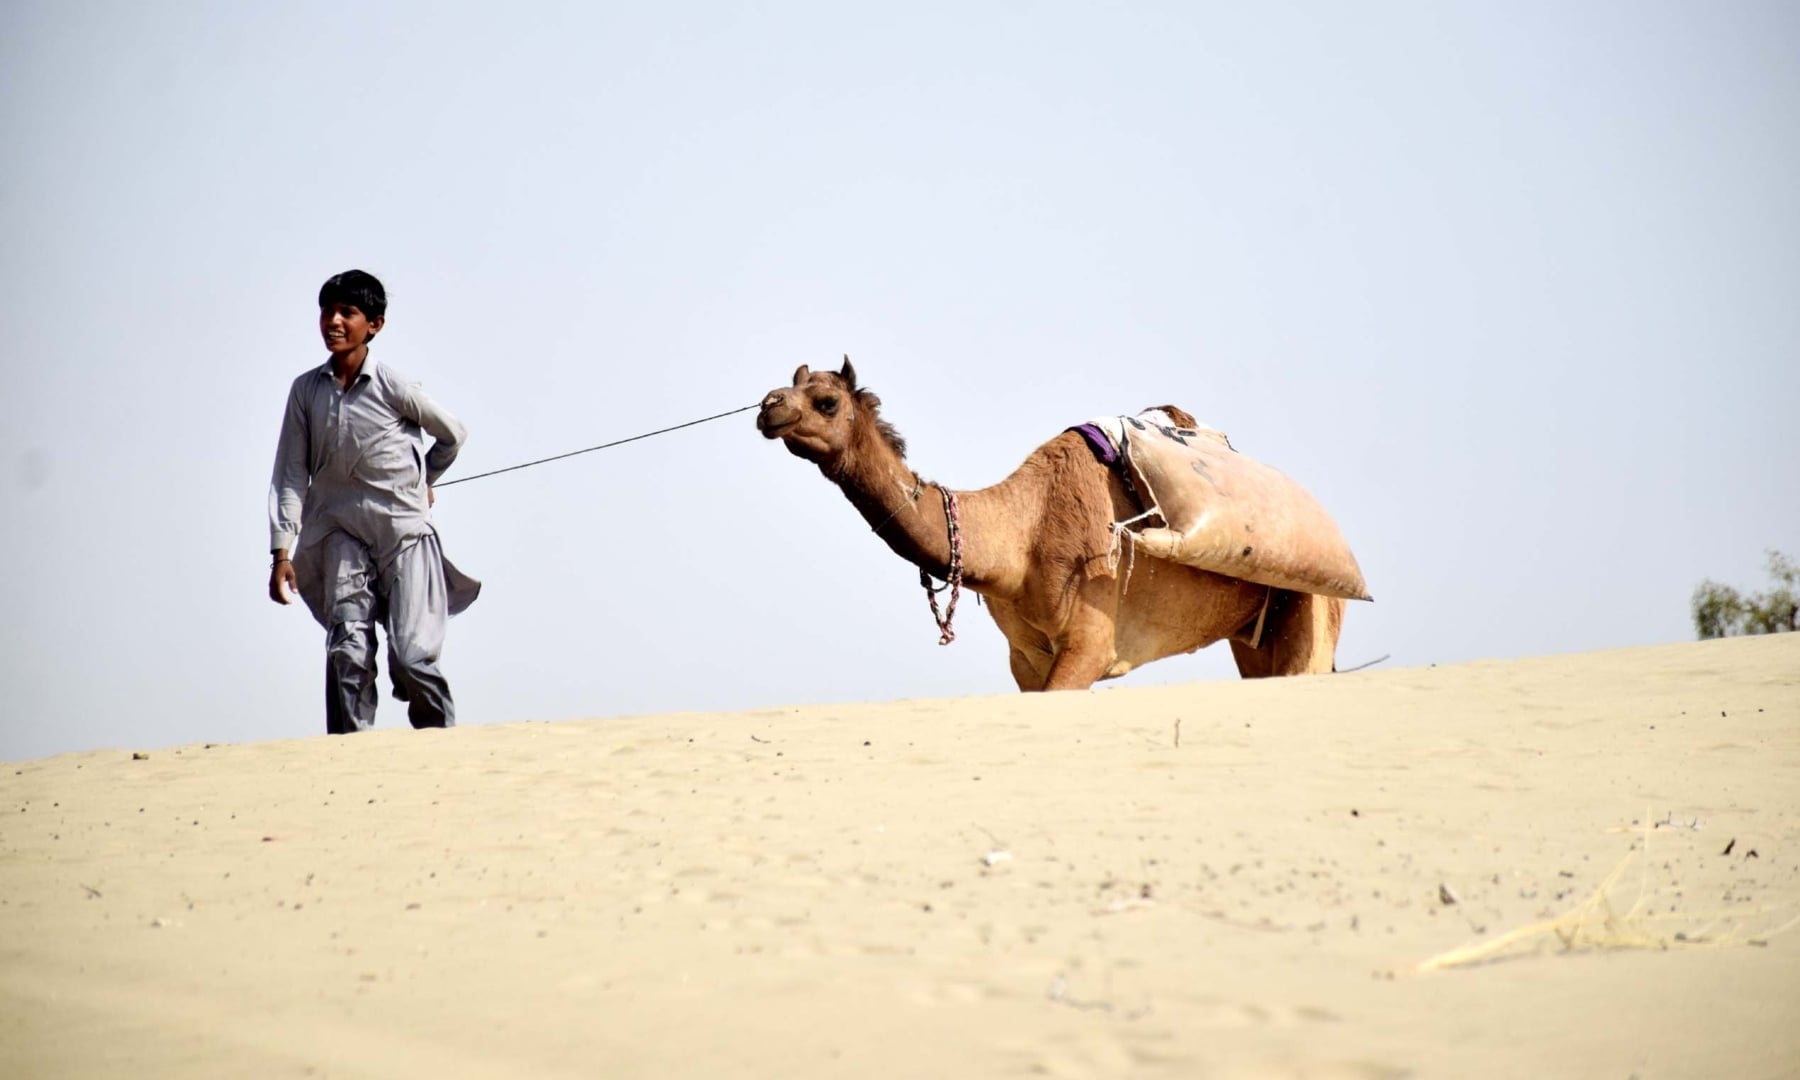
x,y
345,328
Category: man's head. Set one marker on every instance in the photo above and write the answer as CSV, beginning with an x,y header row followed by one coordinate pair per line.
x,y
352,310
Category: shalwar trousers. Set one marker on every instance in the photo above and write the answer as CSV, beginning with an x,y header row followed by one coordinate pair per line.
x,y
408,598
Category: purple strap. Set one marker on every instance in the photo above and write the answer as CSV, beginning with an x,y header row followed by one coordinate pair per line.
x,y
1104,451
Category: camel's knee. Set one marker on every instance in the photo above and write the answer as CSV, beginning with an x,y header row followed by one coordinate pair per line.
x,y
1024,674
1083,658
1077,668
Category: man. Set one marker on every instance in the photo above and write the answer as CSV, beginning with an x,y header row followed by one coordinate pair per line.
x,y
352,484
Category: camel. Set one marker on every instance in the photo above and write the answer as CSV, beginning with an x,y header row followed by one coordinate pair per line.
x,y
1036,547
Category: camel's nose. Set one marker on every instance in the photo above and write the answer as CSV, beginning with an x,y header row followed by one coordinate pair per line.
x,y
772,400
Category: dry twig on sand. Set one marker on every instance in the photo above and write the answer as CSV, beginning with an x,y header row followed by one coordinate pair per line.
x,y
1595,925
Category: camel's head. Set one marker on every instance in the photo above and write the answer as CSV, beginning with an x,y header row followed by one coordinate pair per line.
x,y
823,414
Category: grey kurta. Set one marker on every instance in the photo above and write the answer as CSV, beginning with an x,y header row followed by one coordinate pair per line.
x,y
353,460
350,485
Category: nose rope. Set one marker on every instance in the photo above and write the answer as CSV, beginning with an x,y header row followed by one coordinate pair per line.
x,y
918,489
602,446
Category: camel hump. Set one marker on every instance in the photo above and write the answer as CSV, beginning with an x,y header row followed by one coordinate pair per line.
x,y
1177,416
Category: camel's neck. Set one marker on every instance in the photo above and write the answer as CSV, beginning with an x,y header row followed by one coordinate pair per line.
x,y
909,515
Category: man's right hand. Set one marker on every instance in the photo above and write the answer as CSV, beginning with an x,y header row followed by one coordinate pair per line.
x,y
281,582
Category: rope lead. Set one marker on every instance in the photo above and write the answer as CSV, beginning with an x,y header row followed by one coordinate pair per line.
x,y
602,446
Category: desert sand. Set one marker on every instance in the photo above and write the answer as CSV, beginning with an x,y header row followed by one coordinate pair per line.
x,y
1215,880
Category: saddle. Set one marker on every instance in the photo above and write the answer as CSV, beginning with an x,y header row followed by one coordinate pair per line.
x,y
1221,510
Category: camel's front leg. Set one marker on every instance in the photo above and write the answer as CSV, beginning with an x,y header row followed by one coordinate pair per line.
x,y
1029,652
1087,646
1024,672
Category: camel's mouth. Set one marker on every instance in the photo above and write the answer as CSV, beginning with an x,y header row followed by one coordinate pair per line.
x,y
776,418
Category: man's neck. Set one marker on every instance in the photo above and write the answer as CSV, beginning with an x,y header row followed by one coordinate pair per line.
x,y
346,366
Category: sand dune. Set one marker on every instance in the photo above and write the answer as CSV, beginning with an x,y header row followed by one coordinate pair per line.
x,y
1228,879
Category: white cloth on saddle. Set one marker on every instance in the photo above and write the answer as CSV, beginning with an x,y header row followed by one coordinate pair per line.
x,y
1113,427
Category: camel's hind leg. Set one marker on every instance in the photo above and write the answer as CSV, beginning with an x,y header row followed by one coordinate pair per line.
x,y
1299,637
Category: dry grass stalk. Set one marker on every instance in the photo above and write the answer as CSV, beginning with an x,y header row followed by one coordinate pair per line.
x,y
1594,925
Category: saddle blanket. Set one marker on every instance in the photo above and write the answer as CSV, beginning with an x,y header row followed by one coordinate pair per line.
x,y
1222,510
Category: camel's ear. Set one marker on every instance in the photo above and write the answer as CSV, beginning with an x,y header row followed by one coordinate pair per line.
x,y
848,373
800,374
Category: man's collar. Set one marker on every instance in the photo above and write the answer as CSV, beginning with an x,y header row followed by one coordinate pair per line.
x,y
368,368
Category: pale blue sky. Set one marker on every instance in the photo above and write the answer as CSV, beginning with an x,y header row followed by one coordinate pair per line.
x,y
1510,287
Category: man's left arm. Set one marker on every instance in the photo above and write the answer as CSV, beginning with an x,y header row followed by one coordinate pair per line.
x,y
447,431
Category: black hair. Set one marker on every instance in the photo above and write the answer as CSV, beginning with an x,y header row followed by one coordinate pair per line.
x,y
358,288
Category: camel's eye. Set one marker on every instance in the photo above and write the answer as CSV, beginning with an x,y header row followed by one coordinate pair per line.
x,y
827,405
